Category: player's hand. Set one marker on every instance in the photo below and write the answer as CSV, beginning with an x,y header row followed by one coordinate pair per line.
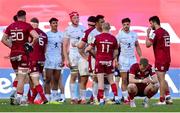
x,y
28,47
147,81
67,63
115,63
85,57
148,31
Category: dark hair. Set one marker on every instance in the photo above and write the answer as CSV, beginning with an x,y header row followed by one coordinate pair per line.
x,y
15,18
91,19
155,19
53,19
34,20
125,20
144,62
21,13
98,17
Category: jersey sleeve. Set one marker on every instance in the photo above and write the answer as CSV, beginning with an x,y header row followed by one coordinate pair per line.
x,y
152,37
152,71
133,69
85,37
29,27
66,33
7,31
93,43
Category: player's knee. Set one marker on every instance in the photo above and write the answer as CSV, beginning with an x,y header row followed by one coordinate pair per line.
x,y
124,81
131,88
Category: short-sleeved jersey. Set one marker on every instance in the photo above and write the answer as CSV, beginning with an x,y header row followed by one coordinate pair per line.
x,y
92,34
38,53
19,31
127,43
105,44
74,34
86,34
54,44
135,70
161,45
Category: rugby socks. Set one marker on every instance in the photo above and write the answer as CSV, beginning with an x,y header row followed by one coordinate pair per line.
x,y
83,94
100,94
95,90
48,97
72,91
162,99
14,87
106,91
131,95
39,89
54,95
26,89
34,94
114,89
150,94
125,94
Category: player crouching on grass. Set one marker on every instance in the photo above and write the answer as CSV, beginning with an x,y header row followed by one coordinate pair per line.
x,y
107,50
142,82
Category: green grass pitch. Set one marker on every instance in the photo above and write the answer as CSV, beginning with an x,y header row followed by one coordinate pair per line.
x,y
67,107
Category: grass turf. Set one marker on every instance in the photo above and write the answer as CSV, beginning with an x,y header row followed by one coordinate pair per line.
x,y
67,107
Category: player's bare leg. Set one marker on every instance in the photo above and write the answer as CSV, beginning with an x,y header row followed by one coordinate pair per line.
x,y
149,91
132,90
83,82
124,84
162,83
113,87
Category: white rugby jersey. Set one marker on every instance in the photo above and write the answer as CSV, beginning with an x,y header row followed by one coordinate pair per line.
x,y
92,34
127,43
54,44
75,34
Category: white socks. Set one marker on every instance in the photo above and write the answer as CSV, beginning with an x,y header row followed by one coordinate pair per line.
x,y
83,94
125,94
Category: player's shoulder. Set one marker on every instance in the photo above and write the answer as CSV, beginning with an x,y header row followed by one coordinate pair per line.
x,y
82,27
89,30
133,33
135,66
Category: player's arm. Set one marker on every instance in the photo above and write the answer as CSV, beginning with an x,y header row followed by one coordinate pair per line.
x,y
133,80
81,49
148,42
66,42
5,40
35,36
62,53
115,55
138,49
90,50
